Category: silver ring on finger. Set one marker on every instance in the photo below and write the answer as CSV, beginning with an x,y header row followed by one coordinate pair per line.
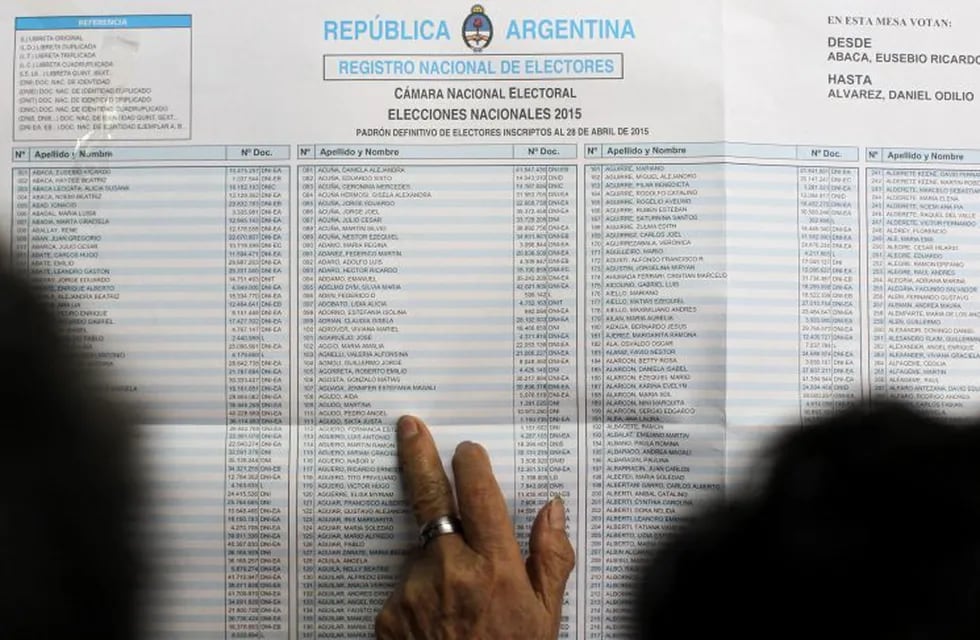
x,y
438,527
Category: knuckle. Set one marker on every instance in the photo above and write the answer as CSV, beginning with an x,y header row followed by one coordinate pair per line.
x,y
429,493
387,623
565,554
558,562
463,572
467,586
565,549
416,595
413,457
459,583
384,624
451,576
481,492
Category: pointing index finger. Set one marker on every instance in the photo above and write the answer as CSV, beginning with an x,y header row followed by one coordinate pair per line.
x,y
427,487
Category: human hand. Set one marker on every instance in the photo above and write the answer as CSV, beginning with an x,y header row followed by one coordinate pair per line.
x,y
473,585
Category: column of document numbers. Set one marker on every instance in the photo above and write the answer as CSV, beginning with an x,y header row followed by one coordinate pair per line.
x,y
545,402
764,303
794,332
257,383
830,327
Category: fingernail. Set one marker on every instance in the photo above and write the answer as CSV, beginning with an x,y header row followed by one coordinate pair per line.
x,y
407,427
556,513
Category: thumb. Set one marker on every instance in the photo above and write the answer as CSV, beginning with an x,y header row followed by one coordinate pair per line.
x,y
551,557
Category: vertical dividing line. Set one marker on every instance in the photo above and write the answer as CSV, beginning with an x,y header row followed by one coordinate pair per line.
x,y
860,285
30,215
582,539
227,407
602,390
547,339
517,337
291,567
316,409
831,329
883,332
294,538
800,364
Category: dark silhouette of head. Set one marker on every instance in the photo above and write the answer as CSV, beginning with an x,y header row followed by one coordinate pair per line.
x,y
71,559
865,525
